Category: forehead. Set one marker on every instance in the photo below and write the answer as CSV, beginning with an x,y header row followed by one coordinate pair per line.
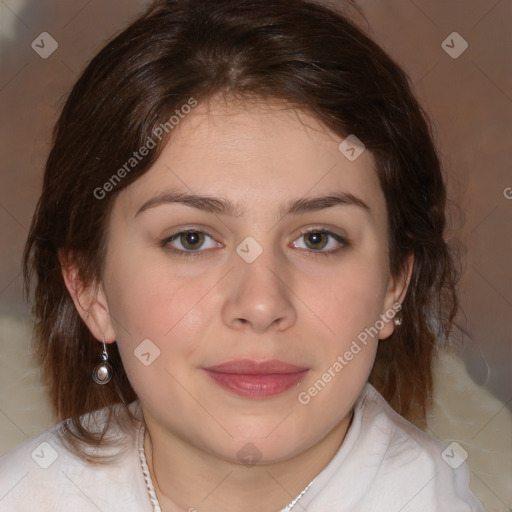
x,y
257,154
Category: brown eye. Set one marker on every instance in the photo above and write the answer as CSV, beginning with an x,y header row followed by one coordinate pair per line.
x,y
190,243
316,240
191,239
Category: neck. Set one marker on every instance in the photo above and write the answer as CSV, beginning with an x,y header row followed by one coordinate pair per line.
x,y
188,479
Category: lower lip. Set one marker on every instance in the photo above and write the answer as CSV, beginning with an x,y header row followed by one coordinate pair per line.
x,y
257,386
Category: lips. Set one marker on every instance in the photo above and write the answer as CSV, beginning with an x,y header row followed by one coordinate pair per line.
x,y
256,379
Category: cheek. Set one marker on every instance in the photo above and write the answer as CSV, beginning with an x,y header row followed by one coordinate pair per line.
x,y
151,302
149,296
348,307
348,300
159,337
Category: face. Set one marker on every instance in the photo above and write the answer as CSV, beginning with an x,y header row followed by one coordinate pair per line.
x,y
254,299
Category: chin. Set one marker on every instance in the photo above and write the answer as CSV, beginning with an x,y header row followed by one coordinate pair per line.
x,y
264,447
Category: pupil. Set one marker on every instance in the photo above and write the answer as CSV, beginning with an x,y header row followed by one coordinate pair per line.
x,y
192,239
315,238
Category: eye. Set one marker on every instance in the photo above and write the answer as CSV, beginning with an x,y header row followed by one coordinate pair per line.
x,y
319,239
194,242
189,242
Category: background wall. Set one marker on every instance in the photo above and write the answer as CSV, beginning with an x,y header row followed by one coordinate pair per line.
x,y
45,44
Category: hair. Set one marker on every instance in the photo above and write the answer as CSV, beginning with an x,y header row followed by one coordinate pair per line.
x,y
302,54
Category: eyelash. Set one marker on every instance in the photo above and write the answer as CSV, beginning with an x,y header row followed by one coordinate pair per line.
x,y
200,253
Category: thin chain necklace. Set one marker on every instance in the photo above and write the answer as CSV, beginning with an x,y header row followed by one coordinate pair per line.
x,y
151,490
145,471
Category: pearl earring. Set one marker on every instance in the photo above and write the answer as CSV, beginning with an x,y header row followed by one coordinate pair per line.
x,y
102,372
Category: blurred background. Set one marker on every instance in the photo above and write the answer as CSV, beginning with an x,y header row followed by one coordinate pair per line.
x,y
458,56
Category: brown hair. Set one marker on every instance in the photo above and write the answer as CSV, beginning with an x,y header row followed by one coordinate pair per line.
x,y
297,52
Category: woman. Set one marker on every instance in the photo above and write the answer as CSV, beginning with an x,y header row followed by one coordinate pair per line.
x,y
238,261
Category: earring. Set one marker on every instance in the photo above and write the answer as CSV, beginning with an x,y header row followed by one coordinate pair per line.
x,y
102,373
397,320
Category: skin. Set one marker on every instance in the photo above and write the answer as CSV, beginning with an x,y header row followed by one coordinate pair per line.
x,y
292,303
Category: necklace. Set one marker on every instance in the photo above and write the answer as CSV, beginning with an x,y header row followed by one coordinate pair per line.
x,y
292,503
145,471
151,490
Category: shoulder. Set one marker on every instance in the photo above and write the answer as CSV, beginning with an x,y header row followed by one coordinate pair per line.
x,y
403,440
44,471
429,474
389,464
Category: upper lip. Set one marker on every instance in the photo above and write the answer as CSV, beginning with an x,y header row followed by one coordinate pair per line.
x,y
252,367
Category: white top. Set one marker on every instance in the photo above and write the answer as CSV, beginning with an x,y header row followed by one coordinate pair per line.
x,y
385,464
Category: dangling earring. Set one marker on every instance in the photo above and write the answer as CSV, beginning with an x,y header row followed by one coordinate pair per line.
x,y
102,373
398,319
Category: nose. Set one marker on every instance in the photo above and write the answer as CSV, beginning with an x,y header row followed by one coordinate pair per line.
x,y
259,295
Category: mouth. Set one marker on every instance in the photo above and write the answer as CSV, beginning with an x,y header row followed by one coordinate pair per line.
x,y
256,379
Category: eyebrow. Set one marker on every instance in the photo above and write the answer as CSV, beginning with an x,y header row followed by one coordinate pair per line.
x,y
218,205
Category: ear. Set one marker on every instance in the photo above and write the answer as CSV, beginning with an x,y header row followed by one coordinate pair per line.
x,y
90,300
395,294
